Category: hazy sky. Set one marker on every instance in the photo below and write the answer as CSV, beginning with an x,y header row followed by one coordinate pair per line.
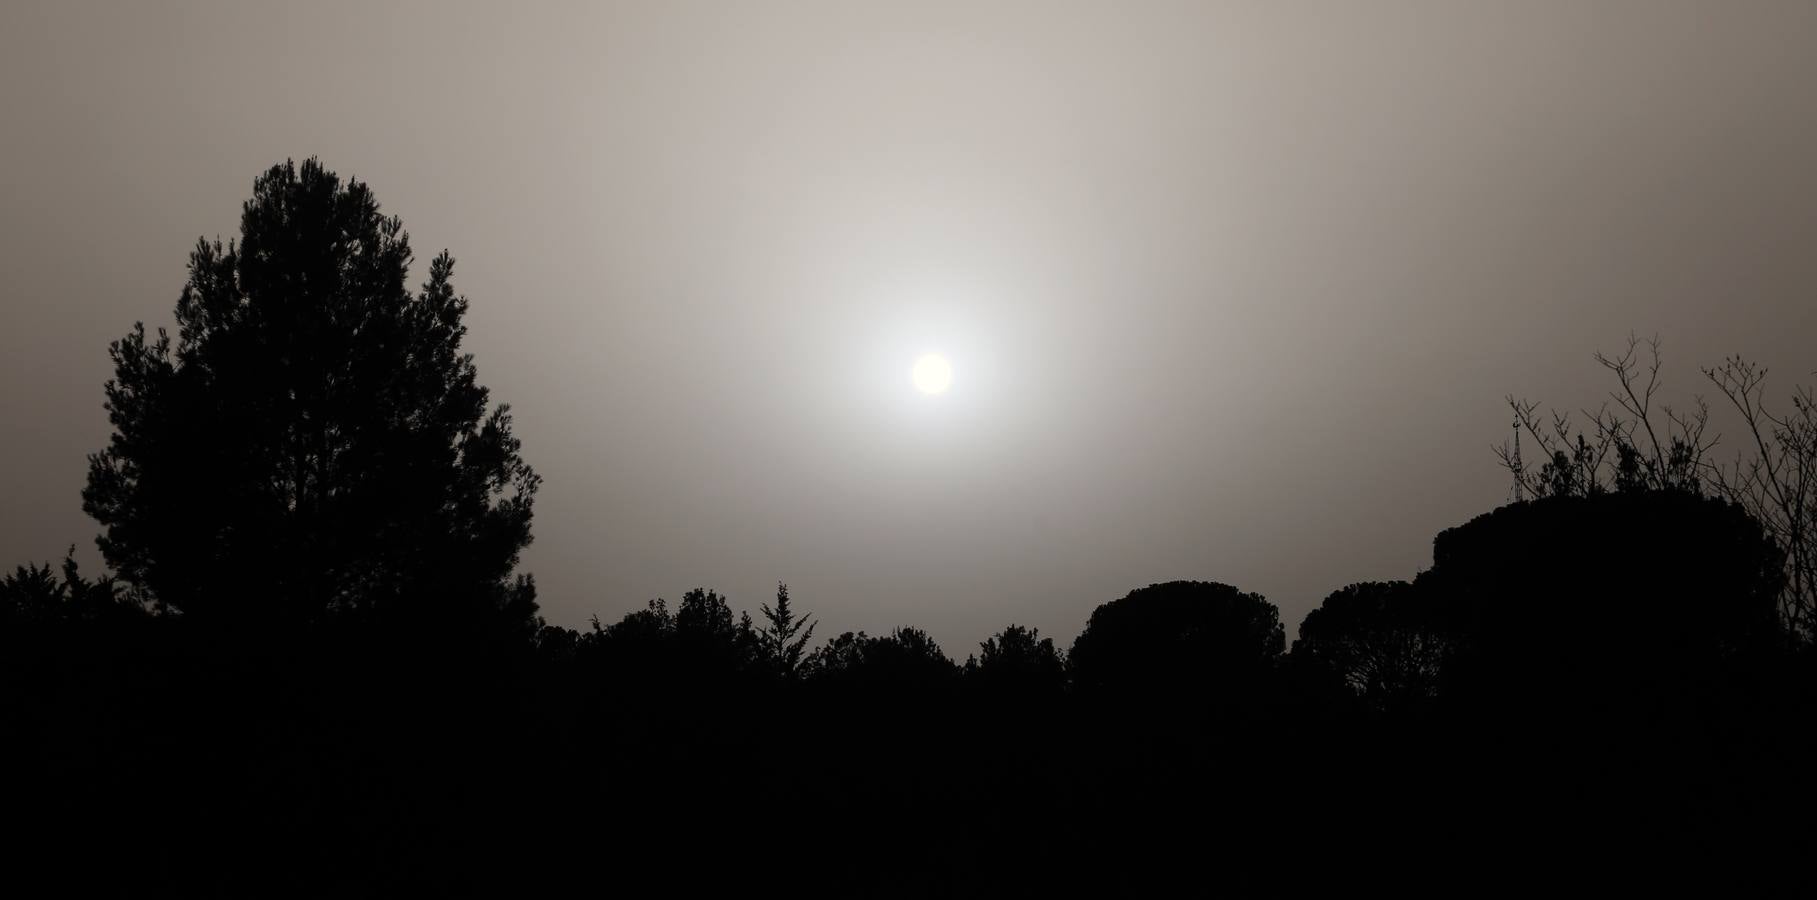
x,y
1232,291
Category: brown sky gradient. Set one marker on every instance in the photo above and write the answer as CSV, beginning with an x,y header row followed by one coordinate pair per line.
x,y
1233,290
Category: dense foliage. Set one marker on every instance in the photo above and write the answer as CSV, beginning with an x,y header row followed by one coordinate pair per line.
x,y
315,431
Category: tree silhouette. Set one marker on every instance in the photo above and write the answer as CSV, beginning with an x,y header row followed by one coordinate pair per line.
x,y
697,644
1383,639
1017,660
1642,445
1198,637
783,640
709,640
904,658
1633,595
642,644
316,431
1611,655
1778,484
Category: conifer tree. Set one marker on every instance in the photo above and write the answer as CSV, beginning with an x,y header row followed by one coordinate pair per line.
x,y
315,443
784,638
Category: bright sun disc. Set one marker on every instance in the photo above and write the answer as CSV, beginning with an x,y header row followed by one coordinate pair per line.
x,y
933,374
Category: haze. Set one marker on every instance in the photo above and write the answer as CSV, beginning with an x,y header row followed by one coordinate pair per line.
x,y
1231,291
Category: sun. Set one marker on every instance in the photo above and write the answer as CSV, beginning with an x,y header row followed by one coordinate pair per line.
x,y
932,374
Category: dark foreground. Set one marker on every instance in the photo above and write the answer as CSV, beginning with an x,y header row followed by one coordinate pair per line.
x,y
150,757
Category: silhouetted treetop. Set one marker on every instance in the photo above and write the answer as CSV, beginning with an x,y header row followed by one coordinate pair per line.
x,y
1018,660
905,658
709,639
783,640
1567,593
1640,444
699,643
1195,636
316,430
704,614
1384,639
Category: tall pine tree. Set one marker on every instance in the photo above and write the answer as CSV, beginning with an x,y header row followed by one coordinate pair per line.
x,y
316,443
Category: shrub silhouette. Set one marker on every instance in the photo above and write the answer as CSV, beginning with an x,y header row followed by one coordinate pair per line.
x,y
1193,637
315,430
34,596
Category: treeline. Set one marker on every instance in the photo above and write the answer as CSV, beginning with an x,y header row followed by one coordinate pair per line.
x,y
1574,680
315,670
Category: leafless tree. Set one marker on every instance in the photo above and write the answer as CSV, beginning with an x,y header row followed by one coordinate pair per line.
x,y
1634,445
1772,478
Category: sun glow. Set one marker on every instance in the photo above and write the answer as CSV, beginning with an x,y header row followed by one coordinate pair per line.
x,y
932,374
